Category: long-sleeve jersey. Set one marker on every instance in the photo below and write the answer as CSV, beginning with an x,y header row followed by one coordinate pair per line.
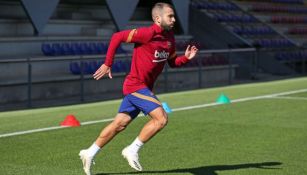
x,y
153,48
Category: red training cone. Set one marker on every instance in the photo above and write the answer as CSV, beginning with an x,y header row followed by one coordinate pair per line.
x,y
71,121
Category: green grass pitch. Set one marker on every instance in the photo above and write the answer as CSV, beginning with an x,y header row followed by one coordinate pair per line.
x,y
267,136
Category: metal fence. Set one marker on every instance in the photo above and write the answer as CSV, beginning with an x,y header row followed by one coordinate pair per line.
x,y
32,72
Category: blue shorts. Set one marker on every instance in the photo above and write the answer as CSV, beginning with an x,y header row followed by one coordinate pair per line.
x,y
142,100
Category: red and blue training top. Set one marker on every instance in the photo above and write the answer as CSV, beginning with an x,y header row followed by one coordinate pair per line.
x,y
153,47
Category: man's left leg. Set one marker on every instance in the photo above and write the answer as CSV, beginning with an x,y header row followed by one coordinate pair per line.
x,y
157,122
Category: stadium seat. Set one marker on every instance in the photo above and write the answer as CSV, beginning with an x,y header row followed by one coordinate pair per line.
x,y
84,67
273,43
120,50
115,67
85,49
126,65
121,66
58,49
215,5
76,49
297,31
67,49
207,61
279,1
93,48
101,48
75,68
92,67
47,49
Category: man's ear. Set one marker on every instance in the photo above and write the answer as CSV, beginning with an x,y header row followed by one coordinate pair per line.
x,y
158,19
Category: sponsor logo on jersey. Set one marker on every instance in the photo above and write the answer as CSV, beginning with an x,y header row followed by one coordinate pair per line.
x,y
161,56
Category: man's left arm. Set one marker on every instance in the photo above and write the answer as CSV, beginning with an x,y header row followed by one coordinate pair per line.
x,y
177,61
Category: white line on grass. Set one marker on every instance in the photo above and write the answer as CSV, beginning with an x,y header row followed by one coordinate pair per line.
x,y
291,98
31,131
176,109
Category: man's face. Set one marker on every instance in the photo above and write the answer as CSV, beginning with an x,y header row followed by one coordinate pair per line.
x,y
167,18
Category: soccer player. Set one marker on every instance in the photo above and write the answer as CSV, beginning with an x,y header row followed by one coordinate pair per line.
x,y
154,46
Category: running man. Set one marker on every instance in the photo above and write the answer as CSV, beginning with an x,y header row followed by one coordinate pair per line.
x,y
154,46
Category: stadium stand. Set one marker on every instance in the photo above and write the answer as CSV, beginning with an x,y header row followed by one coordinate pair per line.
x,y
247,24
244,24
60,62
75,41
285,17
80,48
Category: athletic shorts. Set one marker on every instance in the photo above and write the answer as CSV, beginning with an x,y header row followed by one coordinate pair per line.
x,y
142,100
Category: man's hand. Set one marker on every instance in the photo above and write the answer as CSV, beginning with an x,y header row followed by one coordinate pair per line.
x,y
102,71
190,52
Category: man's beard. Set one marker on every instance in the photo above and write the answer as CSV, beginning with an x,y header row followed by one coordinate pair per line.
x,y
165,26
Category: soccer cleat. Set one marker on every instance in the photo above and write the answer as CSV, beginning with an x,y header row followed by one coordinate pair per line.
x,y
132,158
87,161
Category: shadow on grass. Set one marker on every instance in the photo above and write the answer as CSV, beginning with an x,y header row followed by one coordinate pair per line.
x,y
207,170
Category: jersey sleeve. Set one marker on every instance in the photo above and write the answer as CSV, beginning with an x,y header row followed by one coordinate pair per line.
x,y
140,35
176,61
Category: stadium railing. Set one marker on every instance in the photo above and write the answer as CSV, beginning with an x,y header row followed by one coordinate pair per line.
x,y
82,65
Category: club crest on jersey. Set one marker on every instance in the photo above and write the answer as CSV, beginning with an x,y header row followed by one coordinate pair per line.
x,y
169,44
160,56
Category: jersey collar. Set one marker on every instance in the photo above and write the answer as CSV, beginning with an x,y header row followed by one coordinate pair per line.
x,y
157,28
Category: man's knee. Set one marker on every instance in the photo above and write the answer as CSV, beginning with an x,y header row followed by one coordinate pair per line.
x,y
164,121
161,122
120,123
159,117
119,127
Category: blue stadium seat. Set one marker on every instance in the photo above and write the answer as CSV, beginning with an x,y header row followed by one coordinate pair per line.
x,y
75,68
58,49
67,50
214,5
120,50
127,65
93,48
76,49
85,49
121,66
92,67
101,48
115,67
47,49
84,66
100,62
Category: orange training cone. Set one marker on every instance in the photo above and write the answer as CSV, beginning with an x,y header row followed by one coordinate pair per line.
x,y
71,121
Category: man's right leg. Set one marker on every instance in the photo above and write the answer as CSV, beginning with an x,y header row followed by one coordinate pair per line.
x,y
119,124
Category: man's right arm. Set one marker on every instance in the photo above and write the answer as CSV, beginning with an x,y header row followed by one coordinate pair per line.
x,y
141,35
